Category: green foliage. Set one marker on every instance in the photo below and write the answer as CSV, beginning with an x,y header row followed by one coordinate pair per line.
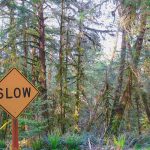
x,y
143,143
2,144
81,16
36,127
120,141
37,145
145,3
54,141
145,122
73,141
36,1
67,142
132,3
138,147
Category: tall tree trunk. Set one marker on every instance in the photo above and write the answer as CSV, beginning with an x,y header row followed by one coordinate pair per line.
x,y
67,49
120,107
42,59
113,127
12,35
42,48
140,38
79,73
33,67
24,41
138,114
61,69
136,59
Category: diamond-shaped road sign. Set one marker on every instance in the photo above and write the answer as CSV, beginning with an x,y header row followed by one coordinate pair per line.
x,y
16,93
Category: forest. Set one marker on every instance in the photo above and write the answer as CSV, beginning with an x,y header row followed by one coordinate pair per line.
x,y
90,61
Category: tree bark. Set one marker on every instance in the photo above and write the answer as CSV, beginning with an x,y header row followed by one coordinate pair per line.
x,y
25,42
112,127
145,99
61,69
42,59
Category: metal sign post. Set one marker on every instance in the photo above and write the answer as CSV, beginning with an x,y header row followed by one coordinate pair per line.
x,y
15,143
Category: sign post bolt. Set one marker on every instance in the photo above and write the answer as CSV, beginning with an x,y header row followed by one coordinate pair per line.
x,y
15,143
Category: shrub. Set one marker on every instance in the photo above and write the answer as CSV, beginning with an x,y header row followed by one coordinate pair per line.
x,y
73,142
37,145
54,141
120,142
143,142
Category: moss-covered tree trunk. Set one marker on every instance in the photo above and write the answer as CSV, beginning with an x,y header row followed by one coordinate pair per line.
x,y
61,70
42,61
116,109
